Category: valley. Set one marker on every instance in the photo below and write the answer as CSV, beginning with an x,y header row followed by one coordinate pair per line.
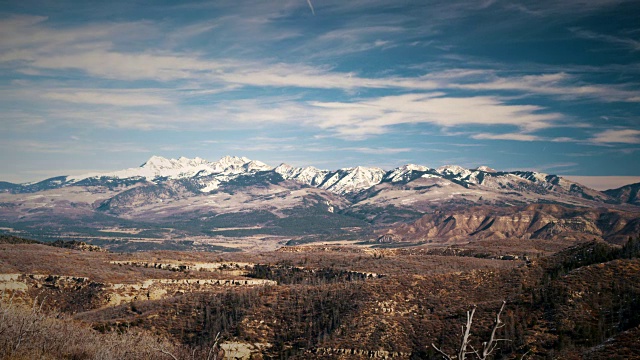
x,y
564,299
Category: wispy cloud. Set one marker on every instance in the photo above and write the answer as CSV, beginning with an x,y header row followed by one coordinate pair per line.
x,y
375,116
548,8
619,136
49,51
377,151
124,66
510,136
311,7
360,33
26,37
555,166
21,121
72,146
562,85
108,97
358,119
624,42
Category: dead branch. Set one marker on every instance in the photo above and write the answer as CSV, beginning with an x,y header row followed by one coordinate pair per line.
x,y
165,352
215,352
29,324
444,355
466,332
488,347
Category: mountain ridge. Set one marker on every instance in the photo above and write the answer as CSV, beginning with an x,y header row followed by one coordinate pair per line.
x,y
236,197
629,194
343,181
535,221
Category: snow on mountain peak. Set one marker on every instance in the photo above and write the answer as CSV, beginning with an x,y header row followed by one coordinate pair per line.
x,y
283,167
183,167
156,162
308,175
159,163
211,175
350,180
414,167
228,161
236,165
404,173
453,170
254,165
486,169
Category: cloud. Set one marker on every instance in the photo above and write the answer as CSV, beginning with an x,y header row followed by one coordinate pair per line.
x,y
269,147
32,47
620,136
355,39
303,76
31,36
359,33
563,139
123,66
377,150
311,7
191,31
71,146
220,73
511,136
561,85
558,166
104,97
358,119
22,121
374,116
627,43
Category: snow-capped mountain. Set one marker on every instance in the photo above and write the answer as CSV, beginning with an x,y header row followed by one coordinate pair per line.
x,y
207,176
307,175
405,173
197,195
160,167
343,181
455,171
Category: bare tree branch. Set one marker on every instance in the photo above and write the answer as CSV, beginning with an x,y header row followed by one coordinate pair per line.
x,y
466,333
215,352
488,347
165,352
447,357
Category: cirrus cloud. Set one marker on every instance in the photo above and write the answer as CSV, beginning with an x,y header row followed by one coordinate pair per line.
x,y
619,136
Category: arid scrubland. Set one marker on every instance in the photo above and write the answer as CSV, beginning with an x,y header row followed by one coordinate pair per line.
x,y
318,302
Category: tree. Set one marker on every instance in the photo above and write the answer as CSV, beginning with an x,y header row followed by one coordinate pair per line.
x,y
488,347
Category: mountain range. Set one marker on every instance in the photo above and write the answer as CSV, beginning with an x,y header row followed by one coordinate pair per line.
x,y
239,197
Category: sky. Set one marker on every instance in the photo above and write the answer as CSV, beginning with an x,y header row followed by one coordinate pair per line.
x,y
550,86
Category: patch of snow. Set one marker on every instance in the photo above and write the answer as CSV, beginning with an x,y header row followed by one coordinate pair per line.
x,y
486,169
403,173
456,171
213,185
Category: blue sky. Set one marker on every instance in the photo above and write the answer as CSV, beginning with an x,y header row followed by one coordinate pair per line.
x,y
552,86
